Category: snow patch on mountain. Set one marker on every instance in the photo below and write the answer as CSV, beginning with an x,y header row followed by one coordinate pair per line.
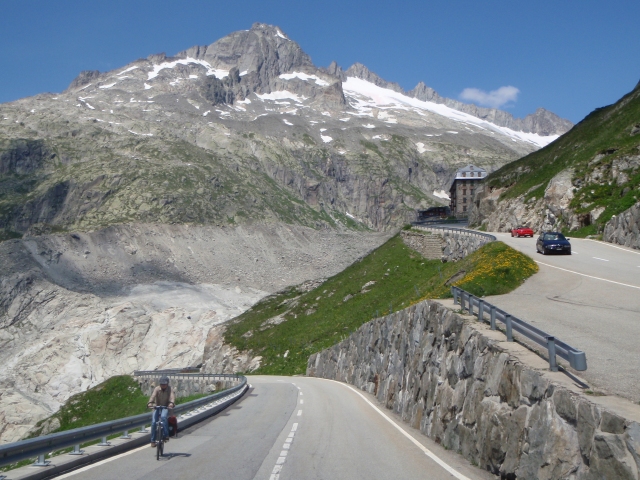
x,y
304,76
281,94
218,73
441,194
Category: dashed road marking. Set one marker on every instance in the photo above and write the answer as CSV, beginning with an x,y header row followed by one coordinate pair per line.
x,y
603,259
299,412
275,473
301,401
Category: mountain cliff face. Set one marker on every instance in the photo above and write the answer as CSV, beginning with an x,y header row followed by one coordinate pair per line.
x,y
244,129
580,183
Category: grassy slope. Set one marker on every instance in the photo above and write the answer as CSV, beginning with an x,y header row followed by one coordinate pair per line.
x,y
603,130
320,318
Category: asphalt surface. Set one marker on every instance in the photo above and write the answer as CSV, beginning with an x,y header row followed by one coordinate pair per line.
x,y
591,300
293,428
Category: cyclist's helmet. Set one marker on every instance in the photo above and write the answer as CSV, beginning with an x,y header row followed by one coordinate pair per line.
x,y
164,380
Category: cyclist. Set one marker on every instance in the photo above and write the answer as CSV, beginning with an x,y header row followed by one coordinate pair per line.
x,y
162,396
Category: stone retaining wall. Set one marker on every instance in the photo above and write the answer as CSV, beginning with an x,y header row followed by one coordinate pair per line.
x,y
460,384
454,245
426,244
185,387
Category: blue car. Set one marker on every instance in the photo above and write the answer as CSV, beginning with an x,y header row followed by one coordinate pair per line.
x,y
553,242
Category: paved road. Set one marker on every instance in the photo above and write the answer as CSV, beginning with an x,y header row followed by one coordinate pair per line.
x,y
334,432
591,300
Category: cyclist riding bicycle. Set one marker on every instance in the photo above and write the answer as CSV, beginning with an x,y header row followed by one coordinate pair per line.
x,y
162,396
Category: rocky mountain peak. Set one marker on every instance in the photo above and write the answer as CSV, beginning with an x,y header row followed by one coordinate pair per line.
x,y
422,92
358,70
336,70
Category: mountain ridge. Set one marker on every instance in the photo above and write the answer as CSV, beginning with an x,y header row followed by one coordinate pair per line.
x,y
245,129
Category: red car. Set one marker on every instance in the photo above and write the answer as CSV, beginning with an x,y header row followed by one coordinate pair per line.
x,y
521,232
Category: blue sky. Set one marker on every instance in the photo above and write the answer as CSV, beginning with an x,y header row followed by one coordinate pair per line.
x,y
567,56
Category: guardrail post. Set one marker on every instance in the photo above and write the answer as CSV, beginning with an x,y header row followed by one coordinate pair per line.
x,y
126,434
454,291
551,347
471,304
480,310
507,321
76,450
143,429
41,462
462,300
493,317
104,442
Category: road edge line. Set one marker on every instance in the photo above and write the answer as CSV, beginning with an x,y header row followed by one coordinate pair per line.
x,y
588,276
424,449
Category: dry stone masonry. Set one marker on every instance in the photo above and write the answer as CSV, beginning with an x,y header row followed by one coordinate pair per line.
x,y
459,384
449,246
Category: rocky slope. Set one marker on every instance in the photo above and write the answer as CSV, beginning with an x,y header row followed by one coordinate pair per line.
x,y
78,308
580,182
246,128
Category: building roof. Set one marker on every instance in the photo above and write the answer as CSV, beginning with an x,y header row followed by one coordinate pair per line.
x,y
470,171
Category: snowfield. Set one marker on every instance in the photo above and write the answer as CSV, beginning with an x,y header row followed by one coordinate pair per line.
x,y
365,96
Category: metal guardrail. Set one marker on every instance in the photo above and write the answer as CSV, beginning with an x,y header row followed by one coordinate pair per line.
x,y
441,221
462,231
168,371
576,358
175,374
40,446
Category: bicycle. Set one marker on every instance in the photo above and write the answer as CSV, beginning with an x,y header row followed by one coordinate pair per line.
x,y
160,438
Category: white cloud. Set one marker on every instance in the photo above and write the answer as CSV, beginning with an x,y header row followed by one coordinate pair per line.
x,y
494,99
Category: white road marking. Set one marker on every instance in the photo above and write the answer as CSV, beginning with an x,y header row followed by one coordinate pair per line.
x,y
603,259
612,246
427,452
275,473
589,276
102,462
301,401
299,412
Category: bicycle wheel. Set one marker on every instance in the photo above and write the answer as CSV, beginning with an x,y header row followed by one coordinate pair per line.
x,y
159,442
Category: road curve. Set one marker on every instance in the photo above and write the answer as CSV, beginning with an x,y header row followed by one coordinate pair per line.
x,y
293,428
591,300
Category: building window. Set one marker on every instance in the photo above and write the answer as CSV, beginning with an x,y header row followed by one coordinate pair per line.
x,y
464,191
464,174
464,209
464,200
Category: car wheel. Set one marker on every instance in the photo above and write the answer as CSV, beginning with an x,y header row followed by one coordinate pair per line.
x,y
544,251
512,234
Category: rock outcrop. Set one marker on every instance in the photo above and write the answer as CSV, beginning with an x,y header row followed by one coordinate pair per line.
x,y
624,229
551,212
453,380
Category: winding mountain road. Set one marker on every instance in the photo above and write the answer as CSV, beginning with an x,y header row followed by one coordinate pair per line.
x,y
591,300
293,428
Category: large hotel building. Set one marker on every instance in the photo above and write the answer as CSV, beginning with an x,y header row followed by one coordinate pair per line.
x,y
463,188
